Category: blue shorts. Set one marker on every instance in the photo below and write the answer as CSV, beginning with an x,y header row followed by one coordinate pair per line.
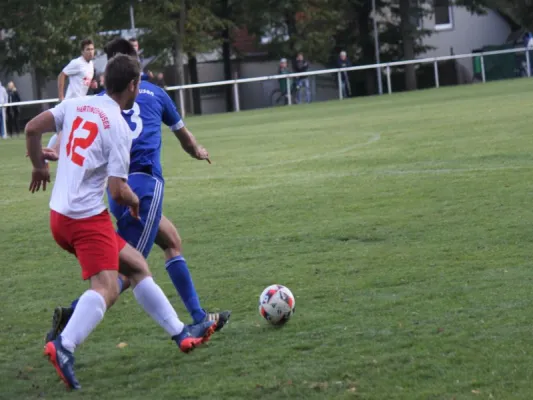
x,y
141,233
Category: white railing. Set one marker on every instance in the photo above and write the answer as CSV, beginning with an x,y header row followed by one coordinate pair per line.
x,y
383,66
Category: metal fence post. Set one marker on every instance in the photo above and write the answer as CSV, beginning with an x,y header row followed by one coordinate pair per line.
x,y
389,85
236,96
436,70
289,97
182,103
339,80
4,122
483,77
528,63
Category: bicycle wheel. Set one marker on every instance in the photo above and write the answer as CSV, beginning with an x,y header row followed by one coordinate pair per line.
x,y
277,98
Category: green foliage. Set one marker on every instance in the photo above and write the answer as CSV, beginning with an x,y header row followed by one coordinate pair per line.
x,y
310,25
46,35
520,11
40,36
391,35
159,22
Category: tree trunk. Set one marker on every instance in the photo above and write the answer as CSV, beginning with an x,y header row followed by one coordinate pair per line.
x,y
193,73
368,51
290,21
407,31
226,56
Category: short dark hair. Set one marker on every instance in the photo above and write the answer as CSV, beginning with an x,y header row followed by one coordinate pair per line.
x,y
120,71
85,42
119,46
133,39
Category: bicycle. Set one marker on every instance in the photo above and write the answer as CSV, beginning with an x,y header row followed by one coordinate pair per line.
x,y
279,98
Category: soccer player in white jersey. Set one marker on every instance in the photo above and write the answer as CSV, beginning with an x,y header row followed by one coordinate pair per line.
x,y
80,73
95,150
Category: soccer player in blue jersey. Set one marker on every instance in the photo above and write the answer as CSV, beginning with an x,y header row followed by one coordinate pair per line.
x,y
152,106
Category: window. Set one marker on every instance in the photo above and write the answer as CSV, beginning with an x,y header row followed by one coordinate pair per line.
x,y
443,15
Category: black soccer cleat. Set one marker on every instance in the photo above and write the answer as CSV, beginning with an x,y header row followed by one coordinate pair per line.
x,y
59,321
221,318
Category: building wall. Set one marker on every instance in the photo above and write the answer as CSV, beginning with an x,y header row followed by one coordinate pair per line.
x,y
468,32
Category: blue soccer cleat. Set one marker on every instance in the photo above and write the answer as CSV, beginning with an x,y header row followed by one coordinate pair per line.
x,y
194,335
63,361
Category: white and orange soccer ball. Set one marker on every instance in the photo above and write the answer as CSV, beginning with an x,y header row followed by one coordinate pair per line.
x,y
276,304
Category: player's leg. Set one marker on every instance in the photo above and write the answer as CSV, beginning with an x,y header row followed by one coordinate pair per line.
x,y
169,241
93,241
138,233
152,299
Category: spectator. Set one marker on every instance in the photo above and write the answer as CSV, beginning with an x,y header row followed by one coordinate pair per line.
x,y
146,75
343,62
160,80
3,100
282,70
12,112
301,65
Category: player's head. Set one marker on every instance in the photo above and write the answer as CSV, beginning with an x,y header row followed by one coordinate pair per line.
x,y
122,76
87,49
119,46
135,44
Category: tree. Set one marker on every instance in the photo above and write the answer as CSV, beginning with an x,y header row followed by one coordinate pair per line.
x,y
172,29
520,11
44,37
308,26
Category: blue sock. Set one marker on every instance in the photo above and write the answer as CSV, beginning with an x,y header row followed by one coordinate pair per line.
x,y
181,278
120,286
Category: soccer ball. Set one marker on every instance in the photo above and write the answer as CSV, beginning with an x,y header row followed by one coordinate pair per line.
x,y
276,304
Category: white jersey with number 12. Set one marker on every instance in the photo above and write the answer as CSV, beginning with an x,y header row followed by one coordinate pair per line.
x,y
95,145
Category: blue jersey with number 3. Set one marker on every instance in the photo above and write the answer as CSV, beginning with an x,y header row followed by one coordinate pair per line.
x,y
152,107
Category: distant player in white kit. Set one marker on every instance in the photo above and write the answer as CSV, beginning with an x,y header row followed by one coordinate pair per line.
x,y
95,151
80,73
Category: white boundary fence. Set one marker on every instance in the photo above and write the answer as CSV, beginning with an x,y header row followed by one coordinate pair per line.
x,y
383,66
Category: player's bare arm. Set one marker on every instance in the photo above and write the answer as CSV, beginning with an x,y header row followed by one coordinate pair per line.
x,y
121,193
189,144
61,79
42,123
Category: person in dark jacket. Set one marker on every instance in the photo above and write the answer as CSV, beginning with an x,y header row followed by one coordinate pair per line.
x,y
13,126
344,62
301,65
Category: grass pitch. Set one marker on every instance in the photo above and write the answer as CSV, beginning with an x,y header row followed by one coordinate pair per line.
x,y
403,225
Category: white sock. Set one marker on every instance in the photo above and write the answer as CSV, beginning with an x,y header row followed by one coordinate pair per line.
x,y
87,315
152,299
